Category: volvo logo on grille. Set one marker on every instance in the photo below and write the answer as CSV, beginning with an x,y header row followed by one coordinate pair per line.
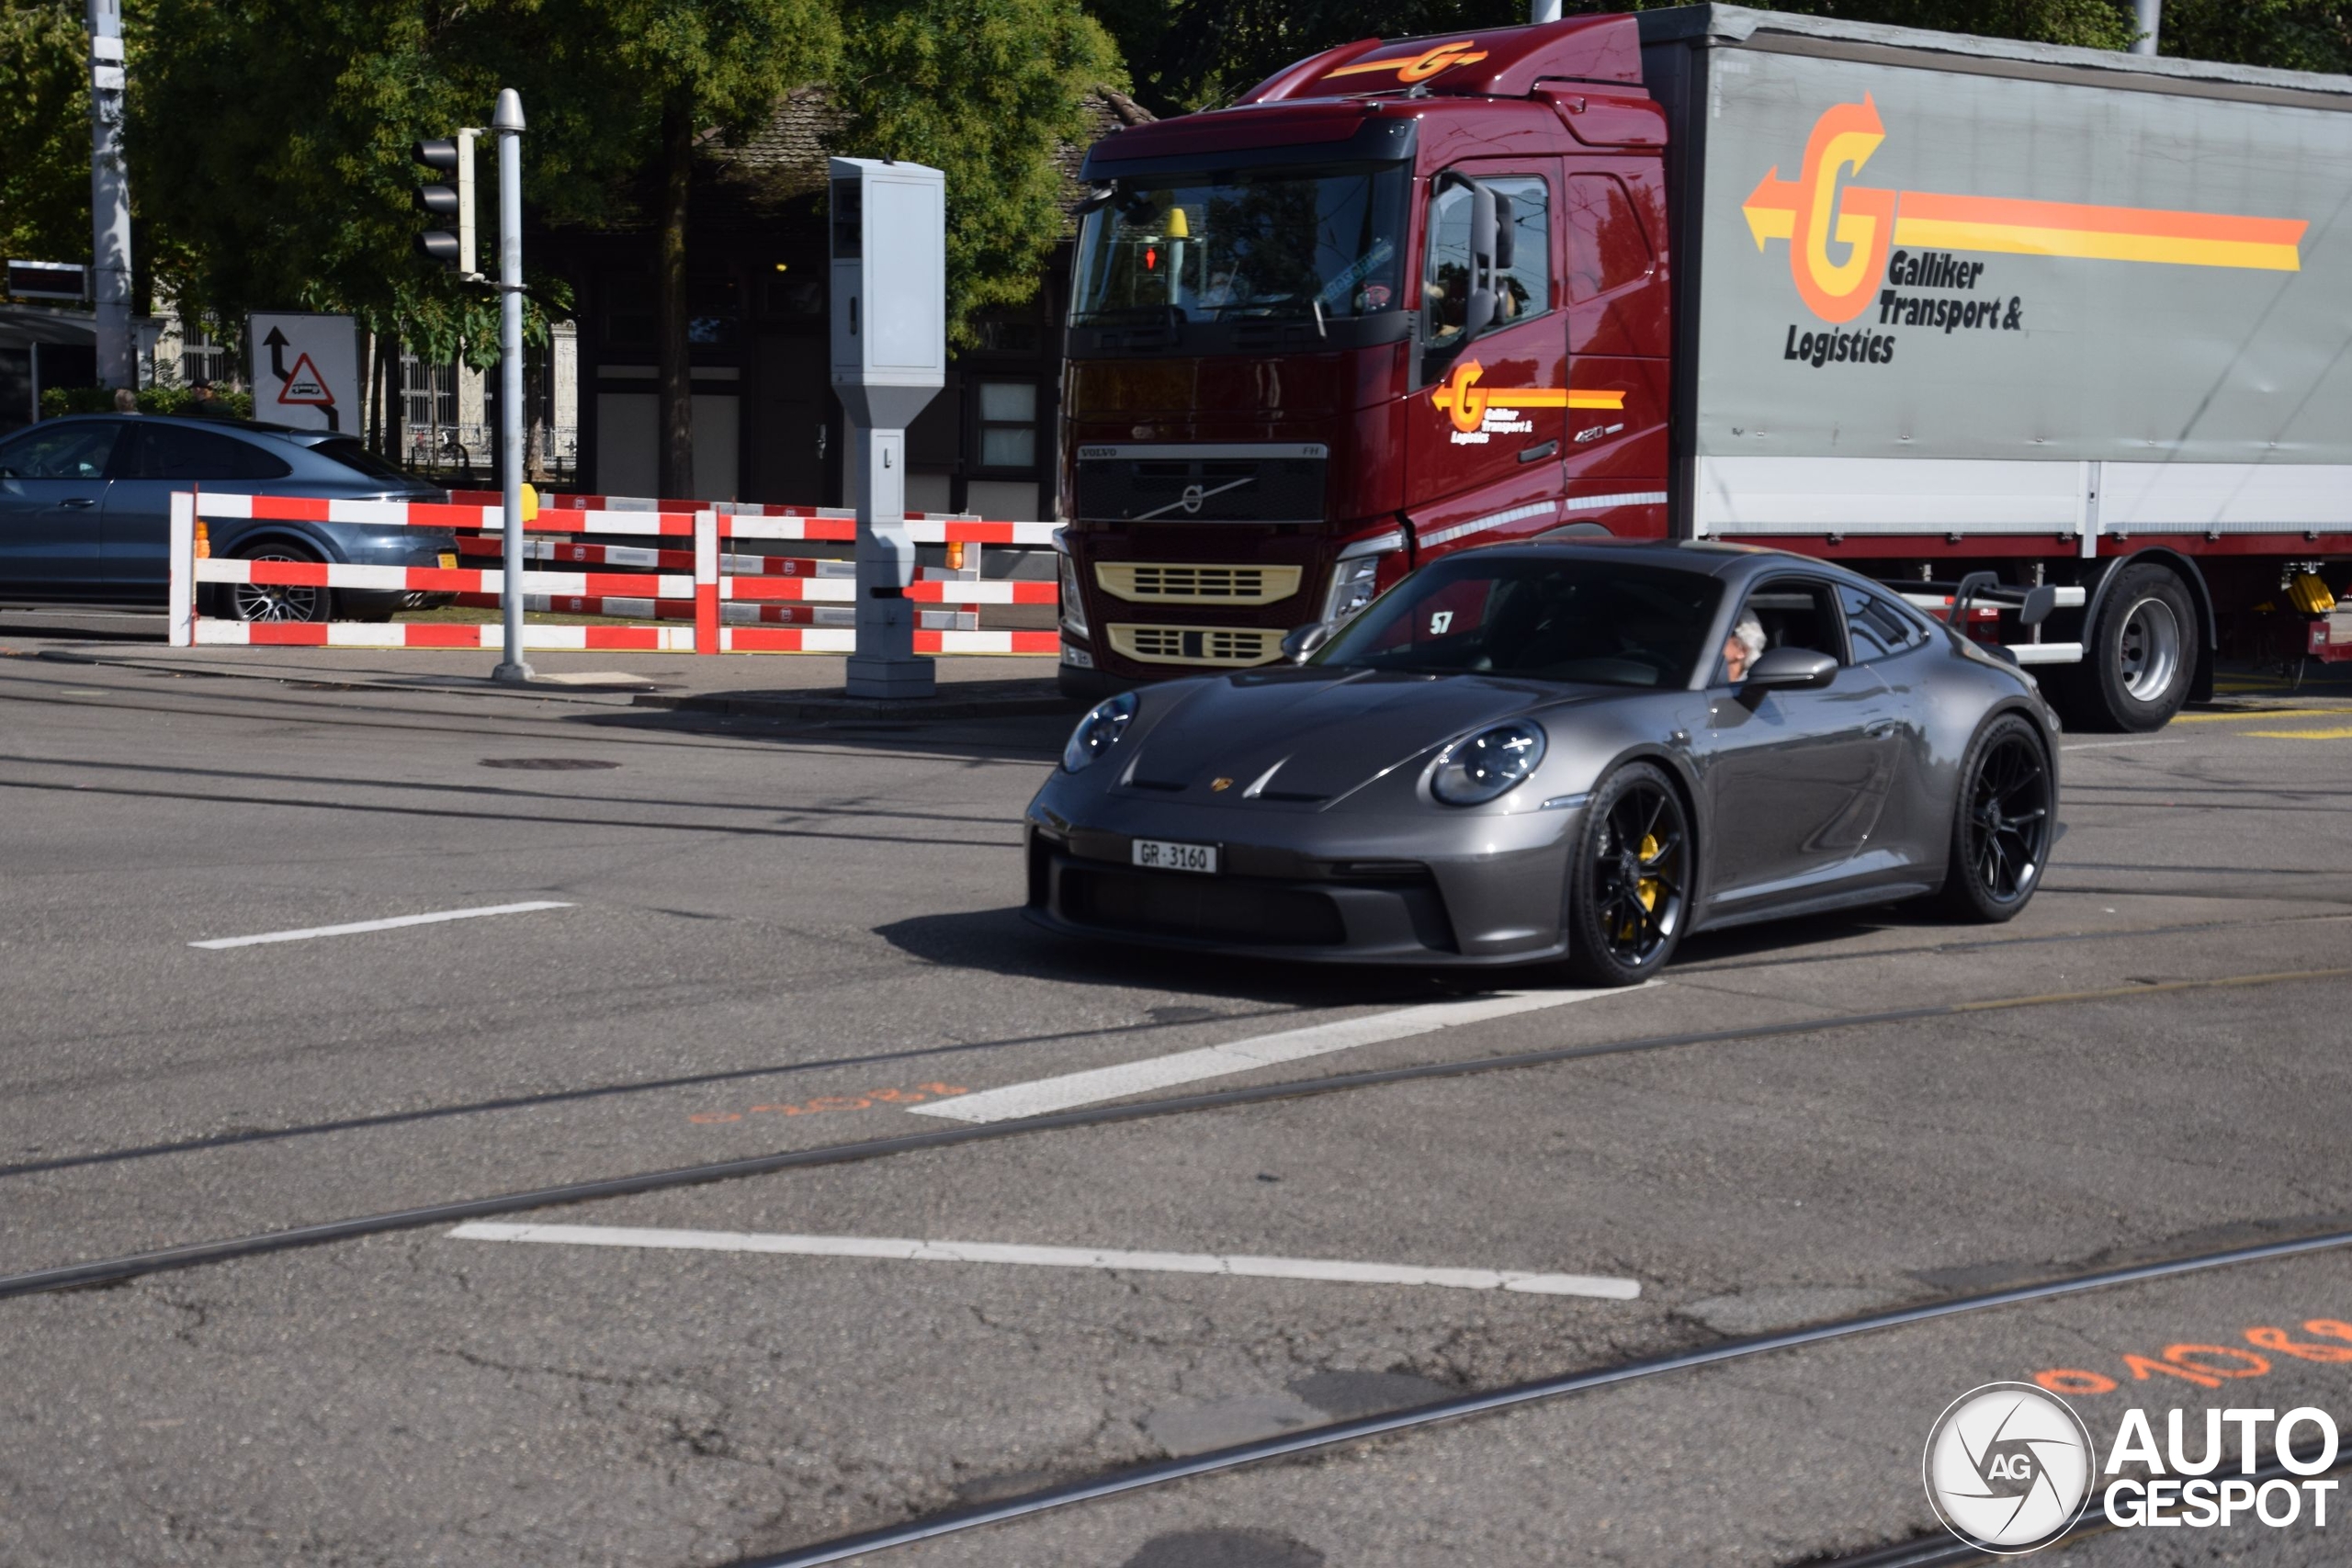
x,y
1192,498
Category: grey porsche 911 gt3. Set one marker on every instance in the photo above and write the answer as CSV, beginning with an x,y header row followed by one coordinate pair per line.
x,y
1568,752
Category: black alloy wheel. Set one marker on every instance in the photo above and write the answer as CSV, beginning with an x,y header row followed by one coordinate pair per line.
x,y
277,601
2001,823
1629,882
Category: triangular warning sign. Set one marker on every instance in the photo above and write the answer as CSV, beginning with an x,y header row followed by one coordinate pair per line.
x,y
304,384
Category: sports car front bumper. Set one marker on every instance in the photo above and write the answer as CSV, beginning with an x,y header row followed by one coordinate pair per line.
x,y
1352,891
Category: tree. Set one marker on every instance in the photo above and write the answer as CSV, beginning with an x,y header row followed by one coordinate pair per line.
x,y
44,130
989,92
657,77
2292,35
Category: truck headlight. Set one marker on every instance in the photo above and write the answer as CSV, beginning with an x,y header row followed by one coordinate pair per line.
x,y
1073,605
1352,588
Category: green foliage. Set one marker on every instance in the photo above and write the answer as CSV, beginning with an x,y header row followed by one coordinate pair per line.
x,y
2292,35
56,401
988,91
270,148
44,132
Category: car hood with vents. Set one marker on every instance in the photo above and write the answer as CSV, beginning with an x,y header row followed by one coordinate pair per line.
x,y
1308,738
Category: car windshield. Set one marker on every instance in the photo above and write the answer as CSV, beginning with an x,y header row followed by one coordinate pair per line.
x,y
1548,620
1279,243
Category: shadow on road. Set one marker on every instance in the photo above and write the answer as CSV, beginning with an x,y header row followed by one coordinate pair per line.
x,y
1000,942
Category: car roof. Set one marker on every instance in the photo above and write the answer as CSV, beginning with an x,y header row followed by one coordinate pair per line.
x,y
1735,564
201,421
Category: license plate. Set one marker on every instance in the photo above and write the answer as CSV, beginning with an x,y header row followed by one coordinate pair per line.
x,y
1159,854
448,560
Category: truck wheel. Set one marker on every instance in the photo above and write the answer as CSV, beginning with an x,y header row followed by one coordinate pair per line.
x,y
2140,656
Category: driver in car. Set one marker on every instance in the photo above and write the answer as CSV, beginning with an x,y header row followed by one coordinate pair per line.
x,y
1743,648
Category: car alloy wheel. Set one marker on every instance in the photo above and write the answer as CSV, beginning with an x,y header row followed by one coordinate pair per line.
x,y
2006,830
277,601
1633,879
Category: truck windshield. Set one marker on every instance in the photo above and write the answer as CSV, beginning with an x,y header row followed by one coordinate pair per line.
x,y
1244,244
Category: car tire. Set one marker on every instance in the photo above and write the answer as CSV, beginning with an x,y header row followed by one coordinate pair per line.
x,y
242,602
2003,824
1629,879
2139,658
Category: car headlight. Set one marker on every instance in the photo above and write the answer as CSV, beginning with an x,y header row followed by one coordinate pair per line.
x,y
1098,730
1352,588
1486,765
1073,606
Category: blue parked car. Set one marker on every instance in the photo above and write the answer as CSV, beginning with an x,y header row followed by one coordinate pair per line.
x,y
85,513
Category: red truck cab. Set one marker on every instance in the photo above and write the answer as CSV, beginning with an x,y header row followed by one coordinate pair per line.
x,y
1403,298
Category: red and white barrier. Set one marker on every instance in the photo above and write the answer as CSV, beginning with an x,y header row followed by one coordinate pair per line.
x,y
738,603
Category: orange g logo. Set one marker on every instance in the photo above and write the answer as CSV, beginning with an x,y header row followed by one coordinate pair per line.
x,y
1840,235
1420,67
1460,396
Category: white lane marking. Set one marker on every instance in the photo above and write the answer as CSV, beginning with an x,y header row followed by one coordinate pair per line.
x,y
904,1251
1035,1098
356,927
2110,745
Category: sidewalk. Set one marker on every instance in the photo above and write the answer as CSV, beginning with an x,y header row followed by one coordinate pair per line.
x,y
793,687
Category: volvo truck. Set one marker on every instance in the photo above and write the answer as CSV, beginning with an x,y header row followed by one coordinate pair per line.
x,y
2057,341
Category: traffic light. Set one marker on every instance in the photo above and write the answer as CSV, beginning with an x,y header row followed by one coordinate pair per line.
x,y
453,156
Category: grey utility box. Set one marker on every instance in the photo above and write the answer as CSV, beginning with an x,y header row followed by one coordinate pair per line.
x,y
889,300
889,228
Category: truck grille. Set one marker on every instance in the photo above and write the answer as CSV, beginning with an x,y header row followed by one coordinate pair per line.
x,y
1212,485
1238,646
1136,581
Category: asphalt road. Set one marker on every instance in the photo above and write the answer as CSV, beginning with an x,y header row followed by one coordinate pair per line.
x,y
775,939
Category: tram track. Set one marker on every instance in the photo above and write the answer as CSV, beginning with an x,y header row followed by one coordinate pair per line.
x,y
114,1270
1338,1434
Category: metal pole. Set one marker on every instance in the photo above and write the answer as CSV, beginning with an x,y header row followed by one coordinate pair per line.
x,y
2148,17
507,123
109,199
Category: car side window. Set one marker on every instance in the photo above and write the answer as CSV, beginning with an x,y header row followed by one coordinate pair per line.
x,y
1785,612
64,452
1877,628
175,452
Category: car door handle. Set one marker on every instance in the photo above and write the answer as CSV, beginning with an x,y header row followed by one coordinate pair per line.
x,y
1536,453
1879,729
78,502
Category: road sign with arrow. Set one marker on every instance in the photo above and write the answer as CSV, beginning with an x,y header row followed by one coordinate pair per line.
x,y
306,369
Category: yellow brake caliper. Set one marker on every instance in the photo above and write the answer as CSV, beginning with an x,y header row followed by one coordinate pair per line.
x,y
1645,889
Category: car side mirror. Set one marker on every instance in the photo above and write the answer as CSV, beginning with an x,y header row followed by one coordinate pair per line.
x,y
1790,669
1302,641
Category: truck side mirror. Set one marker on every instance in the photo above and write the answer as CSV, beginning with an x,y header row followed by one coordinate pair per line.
x,y
1506,232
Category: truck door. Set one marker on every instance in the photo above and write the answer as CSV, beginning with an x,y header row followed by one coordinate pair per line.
x,y
1486,420
1616,449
